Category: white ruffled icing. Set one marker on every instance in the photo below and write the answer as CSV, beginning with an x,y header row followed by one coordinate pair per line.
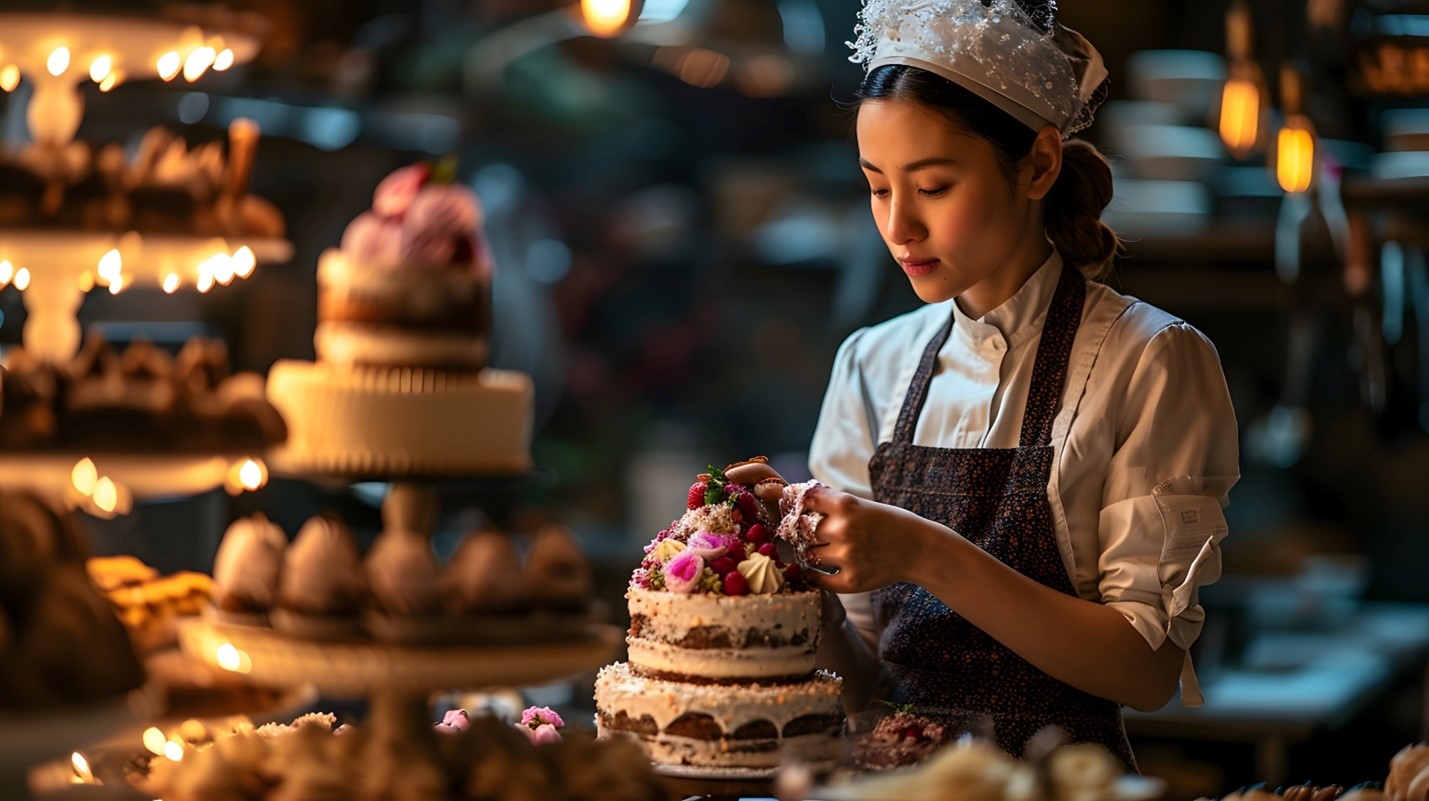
x,y
669,617
721,663
618,689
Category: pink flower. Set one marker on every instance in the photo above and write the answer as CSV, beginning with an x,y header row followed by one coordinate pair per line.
x,y
395,193
446,209
707,545
544,734
454,721
683,573
540,715
371,239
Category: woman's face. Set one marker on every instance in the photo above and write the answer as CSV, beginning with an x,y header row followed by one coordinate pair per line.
x,y
945,207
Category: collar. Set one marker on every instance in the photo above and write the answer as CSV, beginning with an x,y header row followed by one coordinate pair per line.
x,y
1019,317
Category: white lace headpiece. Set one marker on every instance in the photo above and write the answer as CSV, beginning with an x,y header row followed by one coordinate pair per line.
x,y
992,48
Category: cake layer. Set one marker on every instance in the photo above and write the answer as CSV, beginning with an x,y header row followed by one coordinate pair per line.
x,y
401,315
388,420
703,637
726,726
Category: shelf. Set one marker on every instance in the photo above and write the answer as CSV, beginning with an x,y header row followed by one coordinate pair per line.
x,y
357,669
33,738
143,476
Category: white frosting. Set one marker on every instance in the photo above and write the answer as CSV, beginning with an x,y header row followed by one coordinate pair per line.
x,y
403,572
423,421
618,689
668,749
721,663
322,569
425,289
248,560
360,343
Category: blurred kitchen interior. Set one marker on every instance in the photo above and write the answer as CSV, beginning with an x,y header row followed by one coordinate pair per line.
x,y
683,239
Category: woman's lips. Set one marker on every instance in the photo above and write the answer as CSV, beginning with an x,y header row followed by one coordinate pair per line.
x,y
918,267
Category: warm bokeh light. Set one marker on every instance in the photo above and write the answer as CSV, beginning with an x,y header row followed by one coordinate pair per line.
x,y
233,660
1240,115
22,279
171,283
117,285
100,68
1295,156
252,475
7,272
106,495
198,62
111,265
84,476
205,277
608,18
221,265
244,261
223,60
58,61
110,81
82,773
86,281
169,65
9,77
701,67
174,751
154,740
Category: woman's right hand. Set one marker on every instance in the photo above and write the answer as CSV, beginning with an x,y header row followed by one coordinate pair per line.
x,y
870,544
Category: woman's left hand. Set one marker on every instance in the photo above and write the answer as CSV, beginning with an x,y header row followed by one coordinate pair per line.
x,y
871,544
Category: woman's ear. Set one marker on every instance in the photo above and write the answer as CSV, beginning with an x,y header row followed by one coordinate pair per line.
x,y
1044,162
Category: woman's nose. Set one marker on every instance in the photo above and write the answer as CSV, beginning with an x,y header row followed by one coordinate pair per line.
x,y
903,223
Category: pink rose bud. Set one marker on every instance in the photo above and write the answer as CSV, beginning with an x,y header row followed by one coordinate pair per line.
x,y
683,573
545,734
396,192
454,721
534,716
709,546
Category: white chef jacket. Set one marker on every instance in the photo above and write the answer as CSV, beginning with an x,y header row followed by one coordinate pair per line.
x,y
1145,439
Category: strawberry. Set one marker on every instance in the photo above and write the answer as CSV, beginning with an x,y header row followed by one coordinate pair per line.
x,y
723,566
769,550
696,498
735,584
757,533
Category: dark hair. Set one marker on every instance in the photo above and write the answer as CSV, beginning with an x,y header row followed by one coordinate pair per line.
x,y
1083,189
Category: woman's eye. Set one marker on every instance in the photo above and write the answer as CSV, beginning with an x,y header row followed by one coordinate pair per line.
x,y
934,192
877,192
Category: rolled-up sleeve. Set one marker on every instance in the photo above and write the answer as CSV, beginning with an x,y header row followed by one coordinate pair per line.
x,y
1161,522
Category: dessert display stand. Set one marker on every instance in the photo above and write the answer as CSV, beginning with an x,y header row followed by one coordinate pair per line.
x,y
397,679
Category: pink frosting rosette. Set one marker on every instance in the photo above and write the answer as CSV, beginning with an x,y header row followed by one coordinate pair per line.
x,y
542,725
708,545
683,573
454,721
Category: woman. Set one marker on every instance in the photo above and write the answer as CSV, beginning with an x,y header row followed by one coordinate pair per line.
x,y
1025,476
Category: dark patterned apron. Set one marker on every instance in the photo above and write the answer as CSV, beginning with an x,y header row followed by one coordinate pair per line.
x,y
997,499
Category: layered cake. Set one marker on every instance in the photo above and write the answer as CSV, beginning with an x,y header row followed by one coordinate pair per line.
x,y
722,638
401,383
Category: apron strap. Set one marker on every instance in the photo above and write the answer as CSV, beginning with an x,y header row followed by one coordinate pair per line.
x,y
1049,371
918,387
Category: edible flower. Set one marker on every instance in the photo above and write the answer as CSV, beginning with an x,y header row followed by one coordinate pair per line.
x,y
683,573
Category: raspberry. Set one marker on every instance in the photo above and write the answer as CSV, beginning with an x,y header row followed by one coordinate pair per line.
x,y
757,533
696,498
769,550
723,566
793,573
734,584
747,505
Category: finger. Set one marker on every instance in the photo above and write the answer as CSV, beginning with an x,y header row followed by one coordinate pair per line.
x,y
817,499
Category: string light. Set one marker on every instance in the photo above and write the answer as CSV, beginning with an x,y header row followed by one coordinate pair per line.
x,y
9,77
100,68
608,18
169,65
58,61
1243,96
1295,143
